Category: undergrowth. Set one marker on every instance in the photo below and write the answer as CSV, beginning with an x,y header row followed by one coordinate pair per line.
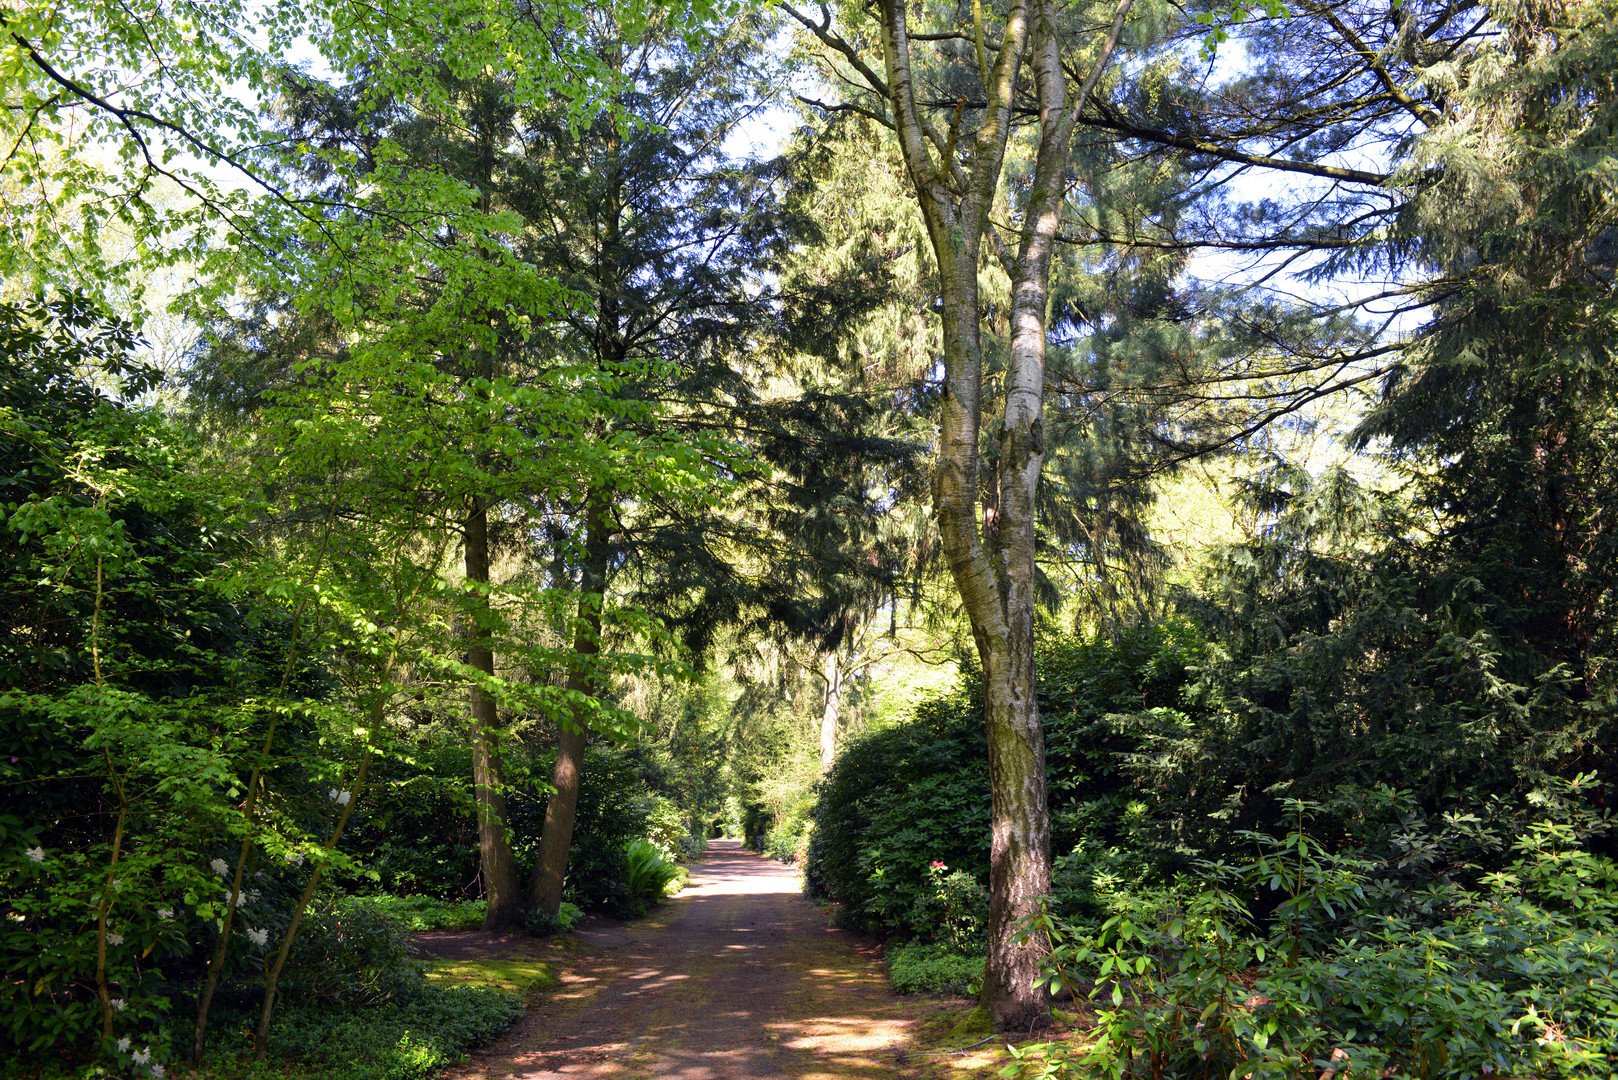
x,y
414,1039
933,969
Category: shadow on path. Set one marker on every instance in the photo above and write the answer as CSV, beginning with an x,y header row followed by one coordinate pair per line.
x,y
736,977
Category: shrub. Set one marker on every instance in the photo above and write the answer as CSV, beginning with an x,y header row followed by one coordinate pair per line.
x,y
612,811
352,953
897,800
649,874
667,828
420,913
901,798
954,909
933,969
1515,980
421,826
545,925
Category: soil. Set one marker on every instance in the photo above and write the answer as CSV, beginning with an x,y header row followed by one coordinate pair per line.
x,y
736,977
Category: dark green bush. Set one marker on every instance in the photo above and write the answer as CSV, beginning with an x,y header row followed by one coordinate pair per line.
x,y
897,800
901,798
953,910
419,822
349,952
546,925
1513,979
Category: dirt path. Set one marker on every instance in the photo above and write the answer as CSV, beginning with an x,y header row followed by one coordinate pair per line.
x,y
736,977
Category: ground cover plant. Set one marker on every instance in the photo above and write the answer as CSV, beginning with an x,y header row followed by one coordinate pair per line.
x,y
415,1038
916,968
418,913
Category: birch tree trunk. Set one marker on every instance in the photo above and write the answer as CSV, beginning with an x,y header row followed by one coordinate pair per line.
x,y
991,557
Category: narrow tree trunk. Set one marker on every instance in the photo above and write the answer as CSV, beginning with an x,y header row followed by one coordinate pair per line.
x,y
550,871
831,704
494,846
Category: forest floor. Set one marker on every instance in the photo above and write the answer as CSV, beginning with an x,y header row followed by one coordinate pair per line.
x,y
737,977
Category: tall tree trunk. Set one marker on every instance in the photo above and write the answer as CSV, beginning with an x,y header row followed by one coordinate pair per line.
x,y
494,845
831,704
992,568
992,559
545,886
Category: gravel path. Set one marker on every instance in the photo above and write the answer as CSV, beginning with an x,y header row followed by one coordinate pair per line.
x,y
736,977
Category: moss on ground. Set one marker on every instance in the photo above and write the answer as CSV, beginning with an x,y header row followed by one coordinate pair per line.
x,y
974,1025
519,975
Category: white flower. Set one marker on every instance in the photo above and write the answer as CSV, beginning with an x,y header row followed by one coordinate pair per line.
x,y
142,1056
341,797
157,1071
165,913
115,939
220,867
118,1003
332,794
259,937
37,854
123,1045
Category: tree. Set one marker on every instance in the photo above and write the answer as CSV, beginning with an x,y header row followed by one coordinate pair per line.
x,y
992,559
1451,637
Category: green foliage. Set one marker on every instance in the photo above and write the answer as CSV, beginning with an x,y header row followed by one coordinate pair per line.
x,y
649,873
132,675
669,830
415,1038
916,968
544,924
953,911
1506,980
420,913
895,801
351,953
788,840
902,798
420,826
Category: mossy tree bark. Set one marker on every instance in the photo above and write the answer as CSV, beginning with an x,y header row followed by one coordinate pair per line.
x,y
991,557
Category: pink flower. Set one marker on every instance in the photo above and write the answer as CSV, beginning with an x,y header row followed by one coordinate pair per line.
x,y
938,865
